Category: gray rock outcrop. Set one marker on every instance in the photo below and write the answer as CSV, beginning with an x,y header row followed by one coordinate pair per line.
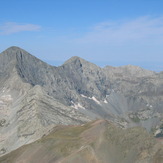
x,y
34,96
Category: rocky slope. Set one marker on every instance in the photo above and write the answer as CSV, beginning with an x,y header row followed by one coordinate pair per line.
x,y
34,96
27,111
98,142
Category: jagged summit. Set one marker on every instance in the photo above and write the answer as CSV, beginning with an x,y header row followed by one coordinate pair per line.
x,y
14,50
19,55
27,66
80,63
14,53
75,59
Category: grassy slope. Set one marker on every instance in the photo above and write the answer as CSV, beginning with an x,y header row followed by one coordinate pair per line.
x,y
95,142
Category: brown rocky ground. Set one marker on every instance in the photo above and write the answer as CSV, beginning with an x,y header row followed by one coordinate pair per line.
x,y
95,142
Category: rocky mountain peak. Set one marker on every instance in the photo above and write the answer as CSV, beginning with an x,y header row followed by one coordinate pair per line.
x,y
34,96
14,51
26,65
75,60
8,59
14,48
80,63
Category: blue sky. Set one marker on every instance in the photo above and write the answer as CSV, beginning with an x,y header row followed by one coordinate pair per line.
x,y
106,32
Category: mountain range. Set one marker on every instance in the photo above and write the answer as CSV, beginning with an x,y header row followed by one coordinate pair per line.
x,y
37,99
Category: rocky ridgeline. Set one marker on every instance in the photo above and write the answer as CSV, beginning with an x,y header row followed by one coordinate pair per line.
x,y
35,97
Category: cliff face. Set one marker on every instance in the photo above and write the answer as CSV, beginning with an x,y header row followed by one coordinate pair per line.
x,y
34,96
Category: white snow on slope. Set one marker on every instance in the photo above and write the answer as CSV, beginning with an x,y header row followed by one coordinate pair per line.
x,y
92,98
84,96
77,106
105,101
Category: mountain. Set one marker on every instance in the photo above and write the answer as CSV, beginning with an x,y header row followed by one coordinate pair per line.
x,y
27,110
99,142
35,97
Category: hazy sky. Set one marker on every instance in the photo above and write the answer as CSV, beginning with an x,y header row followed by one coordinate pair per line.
x,y
106,32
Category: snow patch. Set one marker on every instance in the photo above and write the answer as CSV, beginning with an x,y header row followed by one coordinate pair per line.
x,y
94,99
80,106
84,96
157,132
148,105
105,101
77,106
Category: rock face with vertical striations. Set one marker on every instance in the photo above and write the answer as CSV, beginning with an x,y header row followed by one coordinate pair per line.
x,y
35,97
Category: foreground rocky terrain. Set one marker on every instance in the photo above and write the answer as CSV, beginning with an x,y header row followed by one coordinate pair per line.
x,y
35,97
96,142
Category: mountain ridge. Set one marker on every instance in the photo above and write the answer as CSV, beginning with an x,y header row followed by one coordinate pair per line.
x,y
99,141
73,93
72,59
